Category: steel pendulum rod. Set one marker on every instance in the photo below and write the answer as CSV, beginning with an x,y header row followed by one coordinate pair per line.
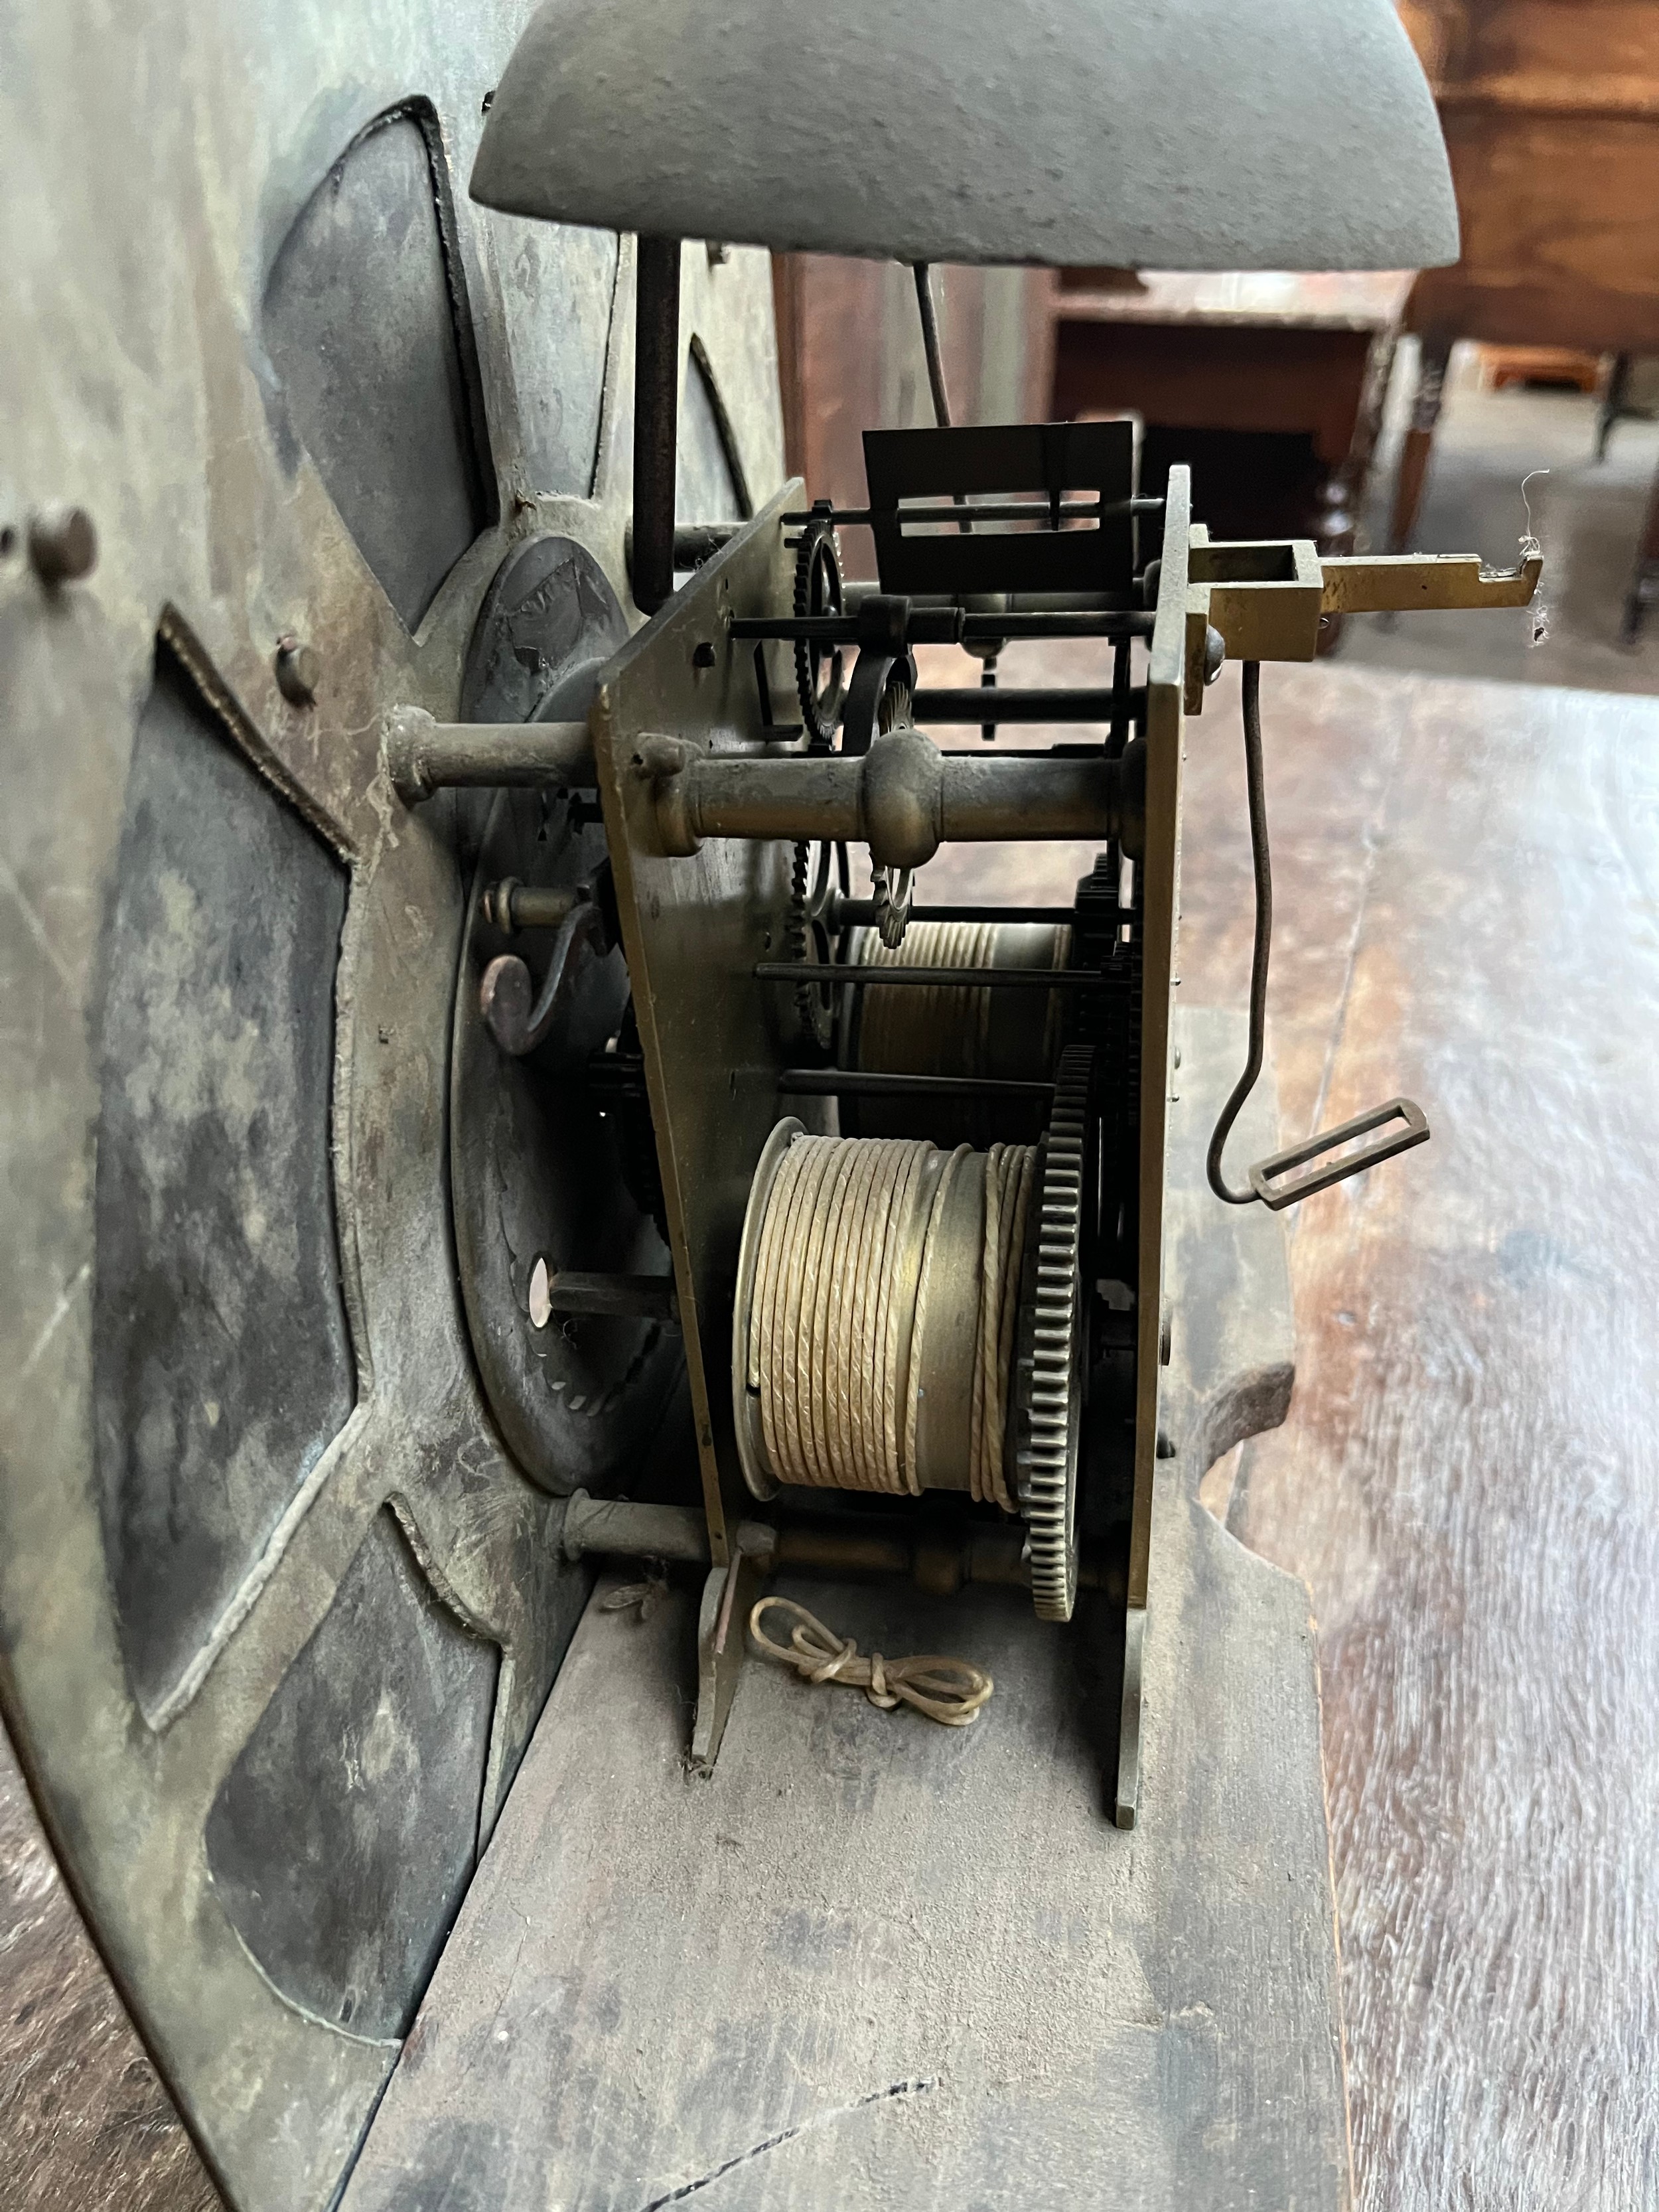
x,y
952,625
930,339
930,345
1068,704
1013,509
656,414
1261,862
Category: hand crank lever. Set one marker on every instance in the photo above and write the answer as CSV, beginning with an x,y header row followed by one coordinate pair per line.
x,y
505,993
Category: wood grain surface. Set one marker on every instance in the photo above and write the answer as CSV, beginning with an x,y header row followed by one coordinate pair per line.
x,y
1550,112
1466,882
1470,1481
85,2124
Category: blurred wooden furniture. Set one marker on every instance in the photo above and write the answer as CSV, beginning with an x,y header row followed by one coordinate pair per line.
x,y
1268,386
850,359
1631,395
1643,587
1564,368
1550,112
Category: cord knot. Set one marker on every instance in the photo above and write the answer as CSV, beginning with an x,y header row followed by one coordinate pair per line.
x,y
949,1691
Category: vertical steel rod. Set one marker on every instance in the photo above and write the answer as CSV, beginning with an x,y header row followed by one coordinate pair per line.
x,y
930,345
935,353
1120,700
656,415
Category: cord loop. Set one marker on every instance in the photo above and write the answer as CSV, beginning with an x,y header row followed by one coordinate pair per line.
x,y
949,1691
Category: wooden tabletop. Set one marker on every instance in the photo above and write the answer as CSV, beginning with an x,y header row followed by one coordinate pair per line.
x,y
1466,881
85,2125
1470,1480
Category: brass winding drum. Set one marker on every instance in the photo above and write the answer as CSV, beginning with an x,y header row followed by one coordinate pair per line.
x,y
1004,1036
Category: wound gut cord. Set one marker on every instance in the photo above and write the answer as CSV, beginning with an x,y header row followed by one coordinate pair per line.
x,y
840,1301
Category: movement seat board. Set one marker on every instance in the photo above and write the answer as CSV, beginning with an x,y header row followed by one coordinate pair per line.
x,y
876,1962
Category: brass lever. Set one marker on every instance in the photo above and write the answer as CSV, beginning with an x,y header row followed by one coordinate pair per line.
x,y
1400,583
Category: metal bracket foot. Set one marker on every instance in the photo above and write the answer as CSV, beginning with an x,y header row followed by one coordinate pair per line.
x,y
728,1595
1129,1741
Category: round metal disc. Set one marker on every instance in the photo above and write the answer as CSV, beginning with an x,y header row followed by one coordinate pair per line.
x,y
533,1170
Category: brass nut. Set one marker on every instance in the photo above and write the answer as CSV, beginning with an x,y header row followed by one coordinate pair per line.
x,y
664,761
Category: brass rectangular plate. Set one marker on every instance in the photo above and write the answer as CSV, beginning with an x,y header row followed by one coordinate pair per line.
x,y
1176,661
715,1040
1166,678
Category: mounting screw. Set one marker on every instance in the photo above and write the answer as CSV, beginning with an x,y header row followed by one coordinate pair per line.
x,y
1215,651
62,545
299,671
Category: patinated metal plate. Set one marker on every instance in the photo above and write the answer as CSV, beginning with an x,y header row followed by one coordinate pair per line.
x,y
221,1363
238,270
693,929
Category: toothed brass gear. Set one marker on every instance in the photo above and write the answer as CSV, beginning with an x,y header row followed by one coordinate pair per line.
x,y
818,591
806,936
1049,1381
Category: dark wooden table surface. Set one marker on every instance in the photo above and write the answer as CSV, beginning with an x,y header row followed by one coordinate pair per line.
x,y
1467,897
1468,882
1469,1480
